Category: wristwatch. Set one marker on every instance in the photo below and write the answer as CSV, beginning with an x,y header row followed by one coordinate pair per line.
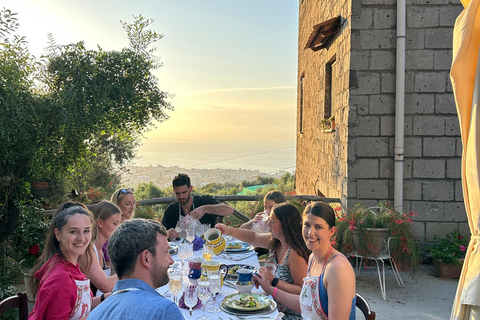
x,y
274,282
102,297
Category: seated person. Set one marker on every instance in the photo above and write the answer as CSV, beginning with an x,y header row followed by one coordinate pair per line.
x,y
258,223
204,208
139,252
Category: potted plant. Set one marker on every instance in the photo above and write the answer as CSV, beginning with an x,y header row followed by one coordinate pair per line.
x,y
367,229
328,124
448,254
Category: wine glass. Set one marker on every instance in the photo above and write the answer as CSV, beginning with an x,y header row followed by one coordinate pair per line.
x,y
189,249
182,253
175,283
190,234
190,297
179,227
215,287
204,293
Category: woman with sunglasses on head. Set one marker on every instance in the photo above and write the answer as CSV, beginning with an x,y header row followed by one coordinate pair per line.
x,y
62,291
328,290
287,265
125,200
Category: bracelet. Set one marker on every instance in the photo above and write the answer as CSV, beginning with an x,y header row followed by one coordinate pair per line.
x,y
274,292
102,297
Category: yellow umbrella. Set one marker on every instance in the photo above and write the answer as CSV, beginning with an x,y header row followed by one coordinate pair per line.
x,y
465,76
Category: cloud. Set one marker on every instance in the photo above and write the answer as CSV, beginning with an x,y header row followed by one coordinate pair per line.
x,y
238,89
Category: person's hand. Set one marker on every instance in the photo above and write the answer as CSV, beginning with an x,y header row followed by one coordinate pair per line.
x,y
259,216
265,273
172,234
197,213
223,228
263,282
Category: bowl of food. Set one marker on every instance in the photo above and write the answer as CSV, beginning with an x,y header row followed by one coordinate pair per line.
x,y
233,268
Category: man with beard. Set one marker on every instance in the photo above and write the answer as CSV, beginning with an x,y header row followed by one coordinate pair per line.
x,y
204,208
139,252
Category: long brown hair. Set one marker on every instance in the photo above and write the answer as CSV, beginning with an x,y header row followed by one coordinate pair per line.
x,y
291,221
52,246
102,210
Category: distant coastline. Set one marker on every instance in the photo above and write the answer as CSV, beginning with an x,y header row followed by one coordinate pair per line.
x,y
162,176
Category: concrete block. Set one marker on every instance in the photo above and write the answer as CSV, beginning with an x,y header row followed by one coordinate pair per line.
x,y
431,82
439,147
408,125
372,189
458,191
445,103
438,190
384,18
412,190
413,147
386,168
382,60
364,168
419,59
371,2
459,147
372,147
433,169
427,211
448,15
382,104
439,229
452,126
362,19
415,38
368,83
454,168
428,126
366,126
361,103
449,84
418,229
409,81
377,39
408,169
418,103
387,126
429,2
442,60
454,211
438,38
388,82
360,60
464,229
422,17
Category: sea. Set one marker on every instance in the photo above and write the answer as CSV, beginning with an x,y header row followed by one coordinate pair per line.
x,y
267,158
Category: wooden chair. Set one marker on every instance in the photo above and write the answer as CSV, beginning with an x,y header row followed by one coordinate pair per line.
x,y
363,305
19,301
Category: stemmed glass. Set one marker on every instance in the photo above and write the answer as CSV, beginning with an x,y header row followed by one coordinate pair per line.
x,y
179,227
190,234
175,283
182,253
204,293
190,298
189,249
215,287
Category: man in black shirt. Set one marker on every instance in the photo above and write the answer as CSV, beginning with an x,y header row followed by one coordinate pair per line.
x,y
204,208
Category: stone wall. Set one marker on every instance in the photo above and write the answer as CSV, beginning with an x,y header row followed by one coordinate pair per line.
x,y
356,162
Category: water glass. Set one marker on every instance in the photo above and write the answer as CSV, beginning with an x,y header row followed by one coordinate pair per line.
x,y
207,252
189,249
190,297
182,252
175,282
204,293
215,287
190,234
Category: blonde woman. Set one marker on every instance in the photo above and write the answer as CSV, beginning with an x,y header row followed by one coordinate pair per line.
x,y
125,200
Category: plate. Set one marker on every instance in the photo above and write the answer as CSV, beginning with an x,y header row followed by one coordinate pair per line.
x,y
173,248
234,301
270,308
242,246
235,267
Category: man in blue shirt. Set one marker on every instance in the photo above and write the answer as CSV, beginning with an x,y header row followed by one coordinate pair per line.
x,y
139,252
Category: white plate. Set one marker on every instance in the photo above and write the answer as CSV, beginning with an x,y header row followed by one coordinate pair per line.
x,y
243,247
231,301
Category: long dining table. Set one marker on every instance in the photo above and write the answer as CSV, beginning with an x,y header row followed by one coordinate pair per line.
x,y
248,257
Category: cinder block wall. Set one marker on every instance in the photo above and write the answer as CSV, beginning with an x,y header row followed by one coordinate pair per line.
x,y
356,162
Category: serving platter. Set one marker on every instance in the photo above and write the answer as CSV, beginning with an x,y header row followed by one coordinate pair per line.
x,y
242,246
269,309
234,301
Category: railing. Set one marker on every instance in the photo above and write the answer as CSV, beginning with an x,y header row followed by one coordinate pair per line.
x,y
238,214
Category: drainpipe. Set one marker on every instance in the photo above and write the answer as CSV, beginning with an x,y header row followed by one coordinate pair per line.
x,y
400,106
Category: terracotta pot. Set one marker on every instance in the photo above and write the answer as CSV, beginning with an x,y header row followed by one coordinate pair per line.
x,y
374,242
447,271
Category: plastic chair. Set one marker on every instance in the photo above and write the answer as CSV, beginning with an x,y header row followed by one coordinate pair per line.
x,y
385,254
19,301
363,305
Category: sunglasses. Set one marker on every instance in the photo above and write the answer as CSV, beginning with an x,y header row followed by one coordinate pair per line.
x,y
124,191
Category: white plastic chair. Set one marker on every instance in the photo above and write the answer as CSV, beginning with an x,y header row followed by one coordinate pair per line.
x,y
385,254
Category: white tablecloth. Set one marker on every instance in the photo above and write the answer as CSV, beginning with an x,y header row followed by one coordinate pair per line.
x,y
249,258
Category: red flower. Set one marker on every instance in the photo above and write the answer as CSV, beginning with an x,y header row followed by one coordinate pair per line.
x,y
35,249
338,208
462,248
460,237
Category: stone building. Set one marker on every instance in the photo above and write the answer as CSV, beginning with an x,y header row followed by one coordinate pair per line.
x,y
347,69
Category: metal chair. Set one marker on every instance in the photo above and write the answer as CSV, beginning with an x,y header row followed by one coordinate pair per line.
x,y
363,305
383,256
19,301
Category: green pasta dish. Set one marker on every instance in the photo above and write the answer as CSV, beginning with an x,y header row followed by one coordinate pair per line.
x,y
247,301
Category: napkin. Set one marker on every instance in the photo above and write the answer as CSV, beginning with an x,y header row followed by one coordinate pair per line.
x,y
197,243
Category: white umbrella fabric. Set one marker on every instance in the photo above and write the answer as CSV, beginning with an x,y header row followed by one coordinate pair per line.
x,y
465,76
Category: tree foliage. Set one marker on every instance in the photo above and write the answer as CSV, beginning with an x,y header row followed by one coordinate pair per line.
x,y
71,107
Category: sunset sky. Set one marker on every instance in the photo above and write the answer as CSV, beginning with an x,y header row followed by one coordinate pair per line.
x,y
231,65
